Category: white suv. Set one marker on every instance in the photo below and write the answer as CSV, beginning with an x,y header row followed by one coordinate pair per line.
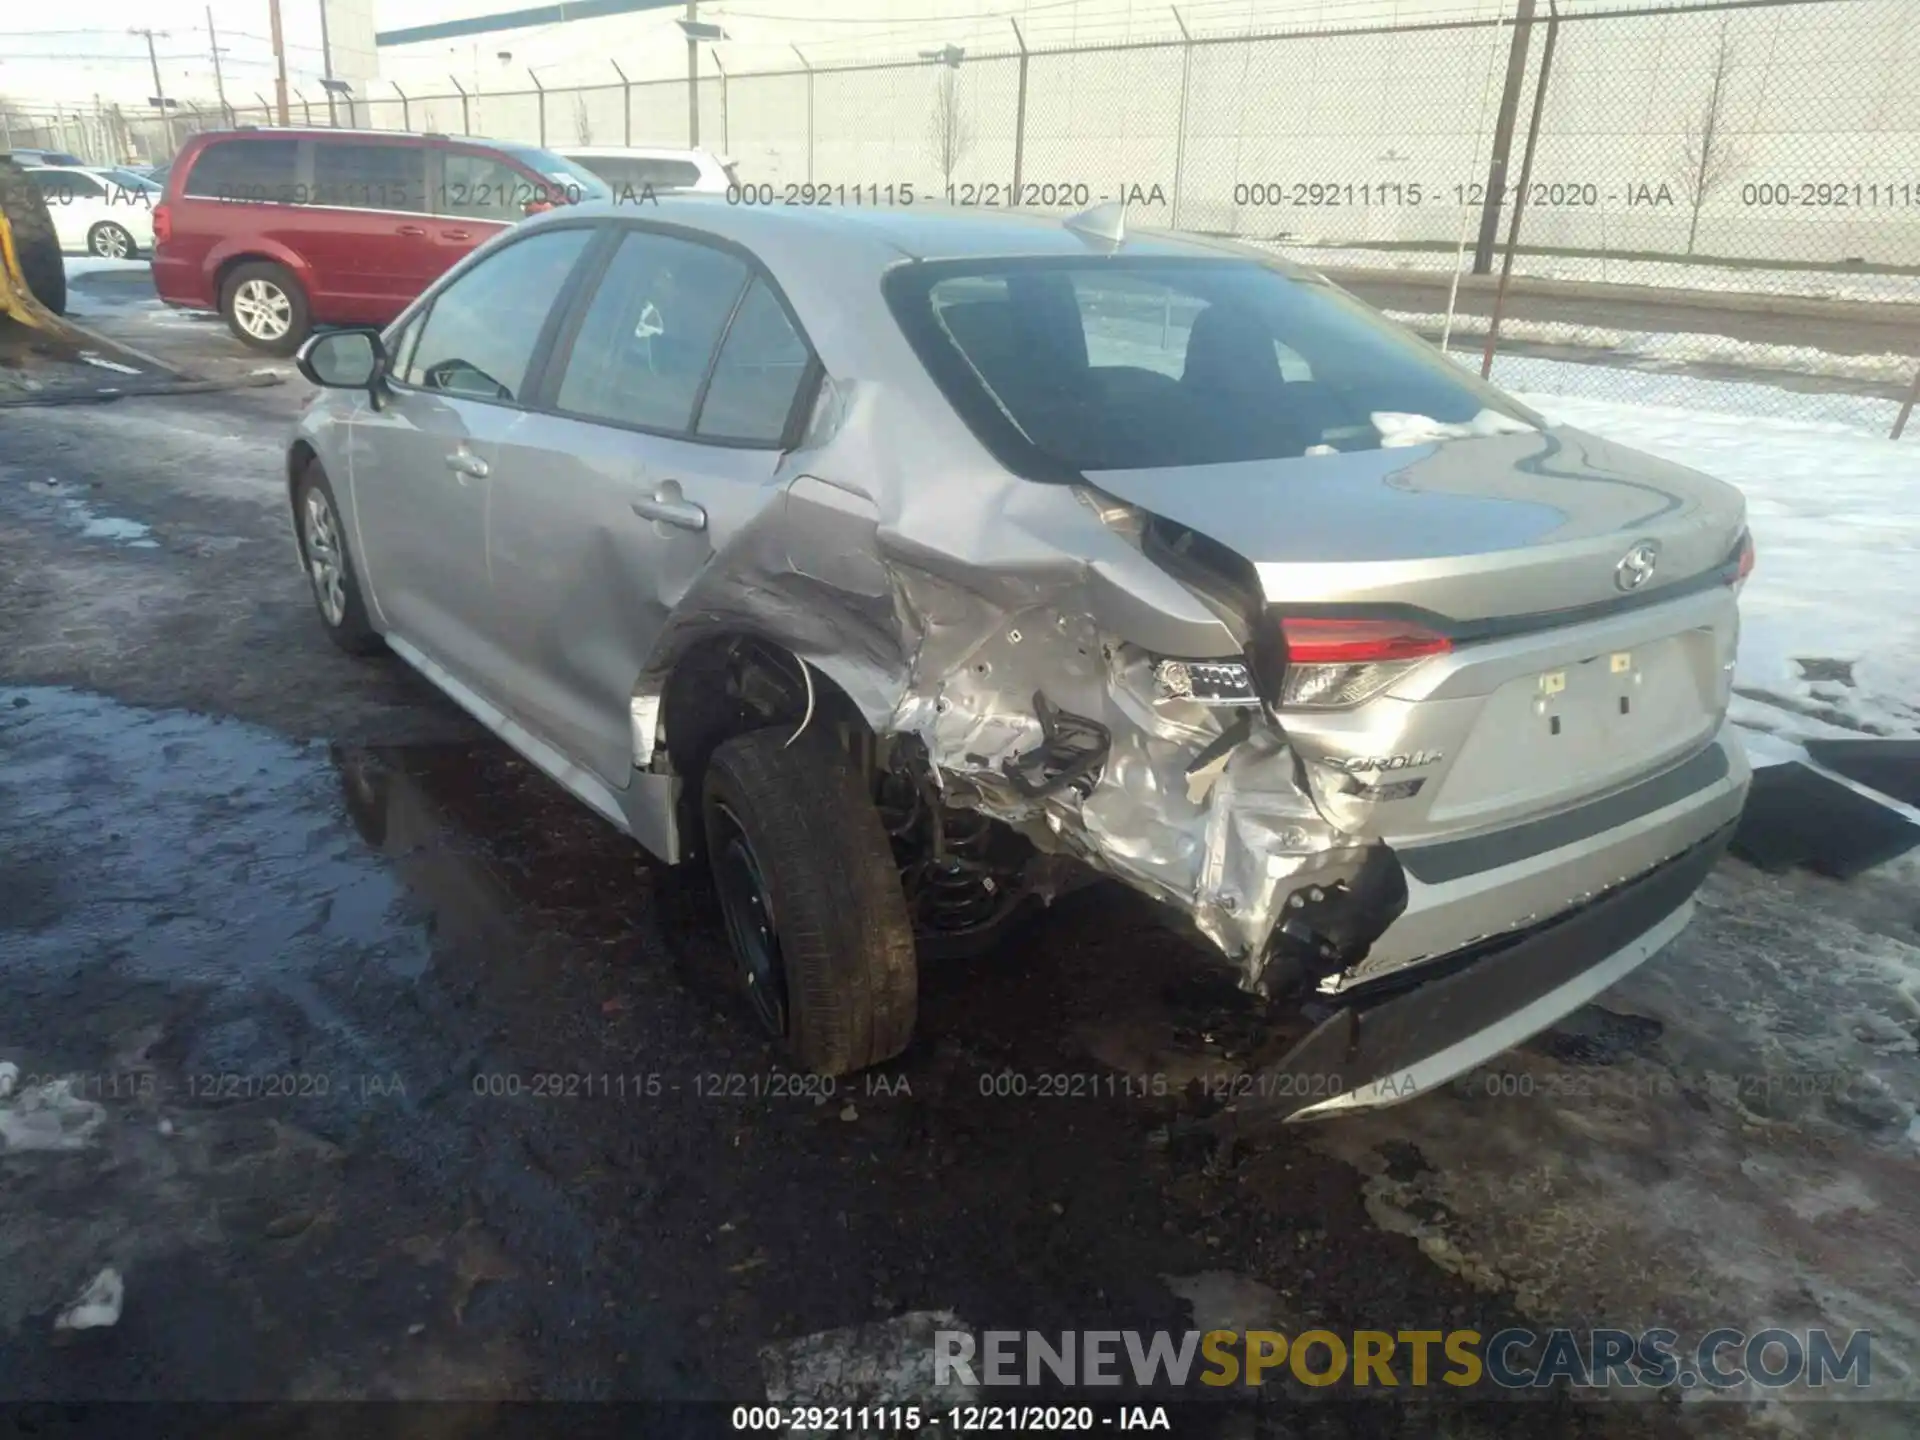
x,y
633,170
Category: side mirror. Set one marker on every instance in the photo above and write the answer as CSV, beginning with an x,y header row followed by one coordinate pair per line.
x,y
343,359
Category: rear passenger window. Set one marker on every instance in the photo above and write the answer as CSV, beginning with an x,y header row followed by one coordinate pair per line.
x,y
63,187
253,170
762,362
369,177
479,336
650,332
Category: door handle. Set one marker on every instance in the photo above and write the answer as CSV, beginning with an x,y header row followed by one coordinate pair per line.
x,y
410,230
465,462
456,234
670,507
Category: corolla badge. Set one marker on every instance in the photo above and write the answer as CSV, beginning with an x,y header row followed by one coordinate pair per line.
x,y
1637,565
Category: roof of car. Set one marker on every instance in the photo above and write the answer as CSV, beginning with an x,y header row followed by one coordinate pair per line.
x,y
643,152
918,232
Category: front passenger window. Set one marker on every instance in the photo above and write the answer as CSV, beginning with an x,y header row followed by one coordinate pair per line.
x,y
480,334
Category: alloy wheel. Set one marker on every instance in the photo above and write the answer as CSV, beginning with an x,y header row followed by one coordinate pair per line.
x,y
326,560
263,309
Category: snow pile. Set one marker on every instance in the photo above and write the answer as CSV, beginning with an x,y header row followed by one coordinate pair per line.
x,y
1829,645
46,1116
1398,429
96,1306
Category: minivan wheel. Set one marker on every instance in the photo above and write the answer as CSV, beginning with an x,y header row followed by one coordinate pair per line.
x,y
111,241
330,572
811,899
265,307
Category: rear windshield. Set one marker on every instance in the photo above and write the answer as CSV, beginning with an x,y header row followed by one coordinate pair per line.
x,y
1108,363
579,183
638,172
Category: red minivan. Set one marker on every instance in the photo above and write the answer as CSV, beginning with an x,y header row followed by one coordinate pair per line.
x,y
282,230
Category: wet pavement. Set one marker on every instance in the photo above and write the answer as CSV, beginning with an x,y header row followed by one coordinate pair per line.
x,y
391,1071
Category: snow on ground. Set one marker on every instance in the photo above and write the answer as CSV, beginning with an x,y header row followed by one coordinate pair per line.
x,y
1836,522
96,265
1675,348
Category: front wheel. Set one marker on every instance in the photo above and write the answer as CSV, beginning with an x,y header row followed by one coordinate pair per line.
x,y
811,898
265,307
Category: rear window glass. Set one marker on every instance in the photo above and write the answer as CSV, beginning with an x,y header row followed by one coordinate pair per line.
x,y
633,172
257,170
1111,363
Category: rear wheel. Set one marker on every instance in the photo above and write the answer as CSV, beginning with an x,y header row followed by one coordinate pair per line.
x,y
111,241
34,241
330,572
811,899
265,307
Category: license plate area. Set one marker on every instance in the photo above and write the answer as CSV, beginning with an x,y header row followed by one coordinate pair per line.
x,y
1577,728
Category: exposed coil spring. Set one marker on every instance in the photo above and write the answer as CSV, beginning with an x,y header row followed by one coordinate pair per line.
x,y
945,872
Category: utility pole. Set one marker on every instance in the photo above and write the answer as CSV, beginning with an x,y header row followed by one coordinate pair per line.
x,y
159,92
693,76
279,61
219,80
326,62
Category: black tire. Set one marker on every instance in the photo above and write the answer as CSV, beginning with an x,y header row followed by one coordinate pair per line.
x,y
34,241
843,942
274,278
350,629
102,238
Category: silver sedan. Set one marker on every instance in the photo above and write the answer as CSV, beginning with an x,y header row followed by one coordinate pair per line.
x,y
910,567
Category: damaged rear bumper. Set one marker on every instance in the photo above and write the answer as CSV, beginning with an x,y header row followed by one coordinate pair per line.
x,y
1377,1051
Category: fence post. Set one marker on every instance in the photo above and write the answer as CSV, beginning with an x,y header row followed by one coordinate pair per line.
x,y
1019,113
1906,410
466,120
726,137
1520,200
306,110
406,110
543,105
1180,123
626,104
1503,139
809,69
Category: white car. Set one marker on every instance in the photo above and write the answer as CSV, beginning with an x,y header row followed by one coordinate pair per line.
x,y
107,213
632,170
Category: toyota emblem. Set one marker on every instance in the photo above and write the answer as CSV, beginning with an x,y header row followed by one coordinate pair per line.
x,y
1636,566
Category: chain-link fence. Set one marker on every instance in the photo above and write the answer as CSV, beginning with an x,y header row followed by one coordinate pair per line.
x,y
1708,203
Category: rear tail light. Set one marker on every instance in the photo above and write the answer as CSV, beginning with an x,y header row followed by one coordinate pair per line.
x,y
162,225
1334,663
1743,560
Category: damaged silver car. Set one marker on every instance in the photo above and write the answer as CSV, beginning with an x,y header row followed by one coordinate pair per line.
x,y
910,567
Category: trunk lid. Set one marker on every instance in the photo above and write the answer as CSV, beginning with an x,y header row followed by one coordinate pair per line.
x,y
1572,670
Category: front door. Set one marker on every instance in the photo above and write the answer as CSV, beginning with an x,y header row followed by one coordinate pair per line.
x,y
423,463
659,441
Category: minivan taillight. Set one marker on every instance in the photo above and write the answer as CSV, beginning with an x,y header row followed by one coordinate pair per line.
x,y
162,224
1332,663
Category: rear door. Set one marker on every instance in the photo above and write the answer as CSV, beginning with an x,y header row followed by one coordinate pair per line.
x,y
368,231
422,464
659,439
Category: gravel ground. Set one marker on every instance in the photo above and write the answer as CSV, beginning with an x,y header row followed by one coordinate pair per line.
x,y
306,940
